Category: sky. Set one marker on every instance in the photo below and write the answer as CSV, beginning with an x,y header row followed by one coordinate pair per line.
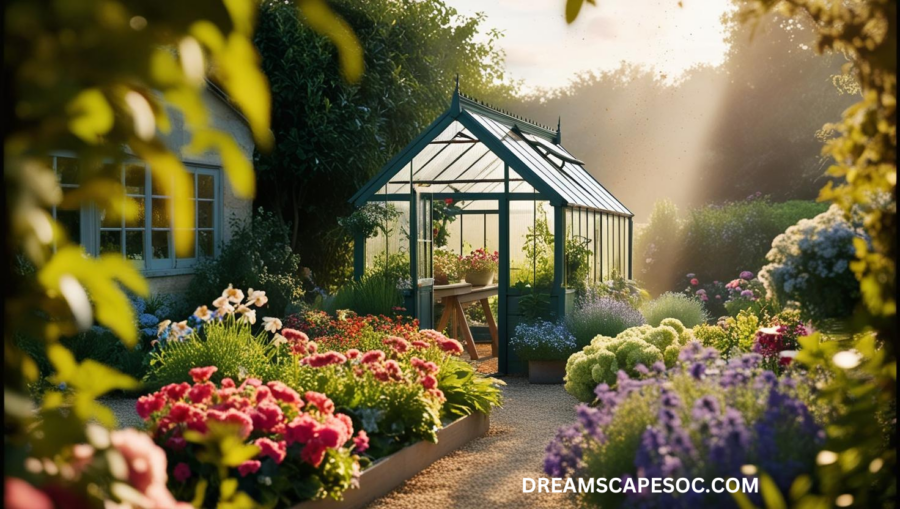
x,y
544,52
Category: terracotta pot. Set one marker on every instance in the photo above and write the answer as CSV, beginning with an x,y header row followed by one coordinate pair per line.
x,y
480,277
546,372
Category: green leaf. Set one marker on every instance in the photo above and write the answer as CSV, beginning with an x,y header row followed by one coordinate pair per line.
x,y
236,164
771,494
573,7
90,115
63,362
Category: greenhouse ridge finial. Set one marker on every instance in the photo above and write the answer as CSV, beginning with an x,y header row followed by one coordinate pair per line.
x,y
454,102
558,130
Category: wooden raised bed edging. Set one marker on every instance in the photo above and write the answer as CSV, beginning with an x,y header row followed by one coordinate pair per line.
x,y
388,473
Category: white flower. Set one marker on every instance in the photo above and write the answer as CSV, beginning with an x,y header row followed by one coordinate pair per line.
x,y
278,339
848,359
203,313
256,298
162,326
221,301
180,329
272,324
233,294
247,315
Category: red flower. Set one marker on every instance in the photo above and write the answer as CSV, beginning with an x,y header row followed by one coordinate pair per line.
x,y
201,392
372,356
321,401
284,393
266,416
176,443
352,353
19,494
275,450
294,335
361,442
176,391
399,345
202,374
448,201
149,404
249,467
429,382
232,416
301,430
313,453
182,472
695,281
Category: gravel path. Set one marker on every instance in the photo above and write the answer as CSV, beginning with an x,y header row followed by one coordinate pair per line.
x,y
488,471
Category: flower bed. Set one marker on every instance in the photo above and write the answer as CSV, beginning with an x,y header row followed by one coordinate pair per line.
x,y
303,420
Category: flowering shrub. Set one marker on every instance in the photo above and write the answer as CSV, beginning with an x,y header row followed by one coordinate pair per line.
x,y
348,330
721,299
810,264
631,351
687,310
603,316
704,418
543,341
619,288
301,444
778,344
479,260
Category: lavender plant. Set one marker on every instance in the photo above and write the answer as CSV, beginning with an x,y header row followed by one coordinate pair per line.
x,y
603,316
704,418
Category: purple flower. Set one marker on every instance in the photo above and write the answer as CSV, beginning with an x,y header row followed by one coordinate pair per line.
x,y
747,294
691,275
746,275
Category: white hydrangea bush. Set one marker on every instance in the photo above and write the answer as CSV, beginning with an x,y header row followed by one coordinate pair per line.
x,y
809,266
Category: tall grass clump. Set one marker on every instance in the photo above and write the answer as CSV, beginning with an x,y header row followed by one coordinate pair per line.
x,y
603,316
233,348
374,294
687,310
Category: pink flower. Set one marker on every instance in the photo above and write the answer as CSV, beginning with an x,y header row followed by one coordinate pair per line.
x,y
425,367
176,443
149,404
695,281
320,360
321,401
201,392
266,417
422,345
451,346
352,353
202,374
19,494
361,442
227,383
236,417
249,467
182,472
275,450
176,391
372,356
398,344
180,412
284,393
252,382
329,437
301,430
146,465
429,382
294,335
313,453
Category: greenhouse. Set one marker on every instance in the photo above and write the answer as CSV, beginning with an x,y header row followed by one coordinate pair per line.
x,y
479,178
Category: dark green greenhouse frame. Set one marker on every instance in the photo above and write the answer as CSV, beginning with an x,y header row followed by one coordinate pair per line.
x,y
476,154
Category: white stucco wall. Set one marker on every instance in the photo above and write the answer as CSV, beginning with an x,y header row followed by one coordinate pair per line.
x,y
224,118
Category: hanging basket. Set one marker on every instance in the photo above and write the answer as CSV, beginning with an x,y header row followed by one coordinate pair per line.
x,y
480,277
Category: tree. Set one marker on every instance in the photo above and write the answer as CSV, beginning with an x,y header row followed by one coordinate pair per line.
x,y
332,137
90,77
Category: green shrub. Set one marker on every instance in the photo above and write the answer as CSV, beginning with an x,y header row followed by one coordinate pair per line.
x,y
714,242
602,316
687,310
231,347
601,360
257,256
374,294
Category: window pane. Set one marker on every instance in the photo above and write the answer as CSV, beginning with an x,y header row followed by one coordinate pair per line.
x,y
107,220
134,179
205,186
111,241
70,220
160,213
160,242
138,221
205,243
134,245
205,214
67,169
191,251
157,190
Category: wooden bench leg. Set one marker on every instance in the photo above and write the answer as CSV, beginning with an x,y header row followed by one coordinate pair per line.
x,y
492,326
466,332
445,315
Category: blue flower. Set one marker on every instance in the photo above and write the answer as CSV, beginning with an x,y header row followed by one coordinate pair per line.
x,y
148,320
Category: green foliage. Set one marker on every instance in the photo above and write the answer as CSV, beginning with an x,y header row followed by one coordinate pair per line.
x,y
731,336
374,294
739,233
230,346
601,360
370,220
616,287
578,265
443,213
465,390
537,269
334,136
674,305
603,317
258,255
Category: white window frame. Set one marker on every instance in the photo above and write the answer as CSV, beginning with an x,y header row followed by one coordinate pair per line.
x,y
91,218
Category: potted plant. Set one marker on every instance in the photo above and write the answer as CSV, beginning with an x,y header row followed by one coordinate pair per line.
x,y
479,267
546,346
446,267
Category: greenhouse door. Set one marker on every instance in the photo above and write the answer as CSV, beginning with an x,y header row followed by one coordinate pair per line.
x,y
424,263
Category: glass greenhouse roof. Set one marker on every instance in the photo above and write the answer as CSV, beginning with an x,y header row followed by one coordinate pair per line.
x,y
467,149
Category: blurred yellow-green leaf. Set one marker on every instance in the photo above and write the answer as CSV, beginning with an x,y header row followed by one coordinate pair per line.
x,y
91,116
322,19
237,166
